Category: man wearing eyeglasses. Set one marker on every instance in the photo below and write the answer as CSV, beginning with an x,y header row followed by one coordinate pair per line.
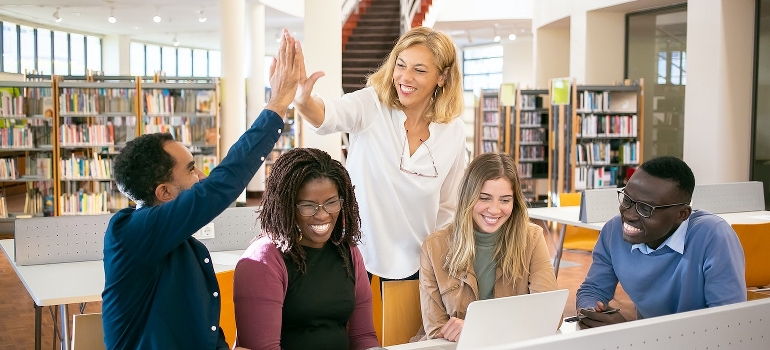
x,y
668,257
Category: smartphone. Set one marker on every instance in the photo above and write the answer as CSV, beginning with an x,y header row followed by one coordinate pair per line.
x,y
580,316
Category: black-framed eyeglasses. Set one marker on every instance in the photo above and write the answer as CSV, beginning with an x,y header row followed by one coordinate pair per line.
x,y
643,209
310,209
401,166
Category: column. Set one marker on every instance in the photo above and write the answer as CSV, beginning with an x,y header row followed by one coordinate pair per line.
x,y
232,87
717,120
518,61
255,83
605,40
116,53
552,54
322,45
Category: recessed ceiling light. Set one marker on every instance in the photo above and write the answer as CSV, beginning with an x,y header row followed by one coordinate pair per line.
x,y
512,37
156,19
56,16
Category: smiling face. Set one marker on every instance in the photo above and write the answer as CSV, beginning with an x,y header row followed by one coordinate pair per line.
x,y
184,174
317,229
653,231
494,205
416,76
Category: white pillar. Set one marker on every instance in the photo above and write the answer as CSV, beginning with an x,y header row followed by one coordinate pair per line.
x,y
604,47
232,87
322,46
116,54
577,46
255,83
717,120
518,62
552,52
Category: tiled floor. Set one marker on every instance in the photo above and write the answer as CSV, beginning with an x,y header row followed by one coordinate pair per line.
x,y
17,312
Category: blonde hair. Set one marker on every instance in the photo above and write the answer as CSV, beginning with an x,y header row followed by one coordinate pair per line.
x,y
511,243
448,101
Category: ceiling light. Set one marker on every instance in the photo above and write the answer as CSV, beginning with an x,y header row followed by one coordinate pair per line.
x,y
497,38
56,16
512,37
175,41
156,19
112,18
201,17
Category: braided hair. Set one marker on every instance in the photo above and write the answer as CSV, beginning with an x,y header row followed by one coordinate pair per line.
x,y
290,172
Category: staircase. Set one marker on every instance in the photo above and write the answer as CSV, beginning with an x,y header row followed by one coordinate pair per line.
x,y
376,32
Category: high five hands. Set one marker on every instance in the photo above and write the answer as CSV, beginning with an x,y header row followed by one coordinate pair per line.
x,y
304,83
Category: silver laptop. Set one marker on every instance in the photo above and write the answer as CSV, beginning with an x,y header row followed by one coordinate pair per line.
x,y
503,321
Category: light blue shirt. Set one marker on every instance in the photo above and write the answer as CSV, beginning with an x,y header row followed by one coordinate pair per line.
x,y
675,241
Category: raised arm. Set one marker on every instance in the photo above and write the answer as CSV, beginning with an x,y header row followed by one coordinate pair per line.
x,y
310,108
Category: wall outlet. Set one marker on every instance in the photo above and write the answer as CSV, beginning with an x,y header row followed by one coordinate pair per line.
x,y
206,232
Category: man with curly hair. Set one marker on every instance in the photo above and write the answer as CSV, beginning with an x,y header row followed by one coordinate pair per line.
x,y
160,288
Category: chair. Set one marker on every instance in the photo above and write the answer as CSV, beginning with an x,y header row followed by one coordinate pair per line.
x,y
577,238
401,315
227,313
377,306
755,238
87,332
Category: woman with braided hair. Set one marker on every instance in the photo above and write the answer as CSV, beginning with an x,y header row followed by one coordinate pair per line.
x,y
302,284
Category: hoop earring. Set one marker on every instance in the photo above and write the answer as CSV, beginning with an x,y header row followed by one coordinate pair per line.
x,y
300,234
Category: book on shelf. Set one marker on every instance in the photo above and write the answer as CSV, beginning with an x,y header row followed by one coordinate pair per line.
x,y
204,101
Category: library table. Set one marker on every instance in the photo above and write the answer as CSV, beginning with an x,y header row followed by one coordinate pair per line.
x,y
76,282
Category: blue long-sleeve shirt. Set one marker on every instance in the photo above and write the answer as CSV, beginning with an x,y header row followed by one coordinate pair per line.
x,y
709,272
160,288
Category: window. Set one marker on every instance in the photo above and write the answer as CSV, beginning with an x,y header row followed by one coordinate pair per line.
x,y
168,66
184,62
215,64
61,54
27,53
136,63
44,56
152,53
482,67
77,54
10,48
93,53
200,63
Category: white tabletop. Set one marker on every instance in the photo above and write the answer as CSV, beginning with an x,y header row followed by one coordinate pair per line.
x,y
80,282
571,216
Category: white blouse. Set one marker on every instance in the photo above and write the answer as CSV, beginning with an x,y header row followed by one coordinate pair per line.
x,y
398,209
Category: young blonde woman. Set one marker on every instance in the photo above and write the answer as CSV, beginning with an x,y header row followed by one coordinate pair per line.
x,y
490,250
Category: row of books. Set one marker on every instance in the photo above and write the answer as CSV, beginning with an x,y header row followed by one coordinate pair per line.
x,y
38,168
531,153
86,203
531,118
593,178
489,103
163,102
22,136
531,101
603,153
76,168
87,135
95,101
489,146
608,125
490,133
492,117
532,135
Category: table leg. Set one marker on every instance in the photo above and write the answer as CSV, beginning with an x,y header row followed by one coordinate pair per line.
x,y
64,320
38,320
559,250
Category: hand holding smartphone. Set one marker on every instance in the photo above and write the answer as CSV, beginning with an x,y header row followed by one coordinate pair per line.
x,y
580,315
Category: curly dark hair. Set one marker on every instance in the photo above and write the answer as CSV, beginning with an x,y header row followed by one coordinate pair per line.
x,y
291,171
142,165
674,169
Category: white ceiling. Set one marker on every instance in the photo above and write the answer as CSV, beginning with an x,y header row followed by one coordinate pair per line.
x,y
180,20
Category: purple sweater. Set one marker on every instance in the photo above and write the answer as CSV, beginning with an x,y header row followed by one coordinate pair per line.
x,y
260,284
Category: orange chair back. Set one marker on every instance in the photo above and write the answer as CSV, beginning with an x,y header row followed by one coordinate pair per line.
x,y
755,239
377,306
401,313
577,238
227,313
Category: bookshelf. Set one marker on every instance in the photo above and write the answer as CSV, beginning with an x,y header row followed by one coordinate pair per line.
x,y
26,147
597,137
607,139
59,136
290,138
529,146
488,126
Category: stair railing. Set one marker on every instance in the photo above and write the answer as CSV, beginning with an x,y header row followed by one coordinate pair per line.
x,y
349,7
408,9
